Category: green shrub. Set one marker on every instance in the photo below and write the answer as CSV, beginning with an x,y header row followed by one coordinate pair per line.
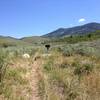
x,y
68,51
3,64
48,66
83,69
85,51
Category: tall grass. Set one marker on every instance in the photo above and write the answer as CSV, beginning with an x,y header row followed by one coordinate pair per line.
x,y
67,77
3,64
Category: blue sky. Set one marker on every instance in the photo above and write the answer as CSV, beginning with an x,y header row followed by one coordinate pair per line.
x,y
19,18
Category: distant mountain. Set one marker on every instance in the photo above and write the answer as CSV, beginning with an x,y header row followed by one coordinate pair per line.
x,y
78,30
61,32
10,41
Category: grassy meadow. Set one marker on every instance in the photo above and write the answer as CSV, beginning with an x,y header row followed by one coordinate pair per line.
x,y
72,74
65,72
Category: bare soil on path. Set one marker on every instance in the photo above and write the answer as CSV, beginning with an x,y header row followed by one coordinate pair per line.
x,y
34,79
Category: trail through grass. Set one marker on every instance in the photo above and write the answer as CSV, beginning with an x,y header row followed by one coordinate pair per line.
x,y
21,80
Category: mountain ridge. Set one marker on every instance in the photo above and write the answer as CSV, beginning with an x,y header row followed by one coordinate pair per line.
x,y
61,32
82,29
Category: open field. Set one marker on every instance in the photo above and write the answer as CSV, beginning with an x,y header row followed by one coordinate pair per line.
x,y
49,49
66,72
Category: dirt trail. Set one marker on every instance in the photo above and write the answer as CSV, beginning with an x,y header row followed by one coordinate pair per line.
x,y
35,79
24,83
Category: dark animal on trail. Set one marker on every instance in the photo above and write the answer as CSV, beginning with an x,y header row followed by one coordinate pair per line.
x,y
47,46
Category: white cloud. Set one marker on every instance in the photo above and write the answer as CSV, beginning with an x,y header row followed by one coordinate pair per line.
x,y
81,20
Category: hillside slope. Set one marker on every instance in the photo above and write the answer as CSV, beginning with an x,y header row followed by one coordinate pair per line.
x,y
10,41
84,29
34,39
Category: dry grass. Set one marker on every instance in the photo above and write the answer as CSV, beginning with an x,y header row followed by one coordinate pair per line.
x,y
61,82
53,77
19,81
